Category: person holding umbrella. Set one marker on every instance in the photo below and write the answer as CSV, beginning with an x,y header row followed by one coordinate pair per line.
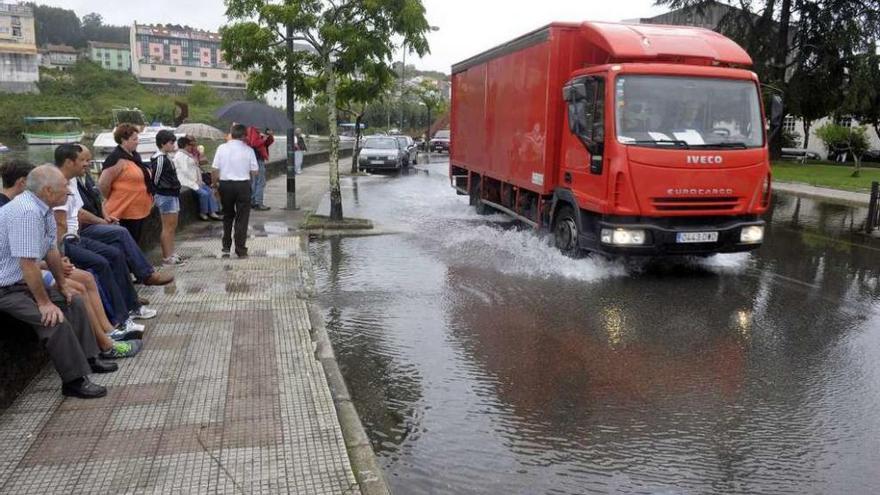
x,y
234,166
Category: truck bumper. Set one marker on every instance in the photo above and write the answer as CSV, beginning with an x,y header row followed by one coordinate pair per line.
x,y
661,236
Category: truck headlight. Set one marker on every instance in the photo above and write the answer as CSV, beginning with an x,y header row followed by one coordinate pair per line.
x,y
623,237
753,234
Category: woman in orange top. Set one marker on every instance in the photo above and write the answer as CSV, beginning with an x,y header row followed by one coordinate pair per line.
x,y
126,183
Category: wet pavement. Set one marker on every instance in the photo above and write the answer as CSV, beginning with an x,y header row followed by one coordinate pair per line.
x,y
483,361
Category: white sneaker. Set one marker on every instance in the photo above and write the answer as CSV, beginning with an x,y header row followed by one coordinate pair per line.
x,y
131,325
173,260
143,313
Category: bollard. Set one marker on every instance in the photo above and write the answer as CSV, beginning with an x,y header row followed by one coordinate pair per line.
x,y
873,208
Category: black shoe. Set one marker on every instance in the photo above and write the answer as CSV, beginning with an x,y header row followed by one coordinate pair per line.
x,y
241,254
83,388
99,366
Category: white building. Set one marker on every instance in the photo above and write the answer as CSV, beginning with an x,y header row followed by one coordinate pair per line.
x,y
19,72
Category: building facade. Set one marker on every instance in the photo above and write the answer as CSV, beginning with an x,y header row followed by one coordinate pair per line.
x,y
111,56
58,57
175,56
19,70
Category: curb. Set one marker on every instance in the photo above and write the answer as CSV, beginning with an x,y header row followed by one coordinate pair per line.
x,y
849,198
363,460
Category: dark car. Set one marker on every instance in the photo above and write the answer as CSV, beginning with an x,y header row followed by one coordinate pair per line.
x,y
408,146
380,152
871,156
440,142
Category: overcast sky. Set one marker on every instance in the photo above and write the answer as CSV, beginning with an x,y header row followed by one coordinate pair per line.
x,y
466,27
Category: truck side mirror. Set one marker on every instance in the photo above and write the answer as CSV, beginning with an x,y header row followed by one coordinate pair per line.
x,y
776,115
586,115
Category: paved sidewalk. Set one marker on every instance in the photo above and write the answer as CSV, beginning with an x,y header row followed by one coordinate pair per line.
x,y
831,195
227,397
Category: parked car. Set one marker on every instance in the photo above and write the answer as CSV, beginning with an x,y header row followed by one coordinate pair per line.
x,y
408,146
799,154
871,156
440,142
380,152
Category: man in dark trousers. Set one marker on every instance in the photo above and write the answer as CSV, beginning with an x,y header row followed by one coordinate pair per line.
x,y
28,236
235,165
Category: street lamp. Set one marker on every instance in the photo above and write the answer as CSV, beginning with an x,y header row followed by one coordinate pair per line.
x,y
403,76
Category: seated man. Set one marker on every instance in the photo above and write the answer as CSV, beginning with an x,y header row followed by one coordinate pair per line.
x,y
93,224
27,236
105,261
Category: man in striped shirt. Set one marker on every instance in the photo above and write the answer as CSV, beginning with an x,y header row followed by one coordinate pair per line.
x,y
28,236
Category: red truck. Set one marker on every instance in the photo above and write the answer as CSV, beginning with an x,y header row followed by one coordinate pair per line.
x,y
620,139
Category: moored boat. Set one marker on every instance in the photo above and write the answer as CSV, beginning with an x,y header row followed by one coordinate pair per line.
x,y
52,130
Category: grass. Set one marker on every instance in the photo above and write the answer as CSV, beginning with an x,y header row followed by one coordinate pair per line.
x,y
824,174
317,222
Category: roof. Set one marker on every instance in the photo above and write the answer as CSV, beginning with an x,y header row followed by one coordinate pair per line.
x,y
626,42
102,44
60,49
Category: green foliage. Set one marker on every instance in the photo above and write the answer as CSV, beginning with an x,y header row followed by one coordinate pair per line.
x,y
838,138
200,94
60,26
90,92
863,92
833,176
790,139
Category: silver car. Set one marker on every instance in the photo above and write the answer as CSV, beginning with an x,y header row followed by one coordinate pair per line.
x,y
380,152
409,148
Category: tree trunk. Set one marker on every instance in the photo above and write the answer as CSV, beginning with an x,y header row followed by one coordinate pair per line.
x,y
335,191
357,142
857,160
807,124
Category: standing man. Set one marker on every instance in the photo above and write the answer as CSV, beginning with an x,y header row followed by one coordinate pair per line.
x,y
28,236
260,142
299,148
235,165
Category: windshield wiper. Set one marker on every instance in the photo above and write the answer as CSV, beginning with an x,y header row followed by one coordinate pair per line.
x,y
678,143
729,144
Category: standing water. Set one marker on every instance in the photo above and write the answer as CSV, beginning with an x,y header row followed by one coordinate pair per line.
x,y
483,361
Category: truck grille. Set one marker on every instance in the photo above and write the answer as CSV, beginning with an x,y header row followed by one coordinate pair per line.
x,y
720,203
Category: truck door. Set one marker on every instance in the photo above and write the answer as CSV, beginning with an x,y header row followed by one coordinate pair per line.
x,y
583,147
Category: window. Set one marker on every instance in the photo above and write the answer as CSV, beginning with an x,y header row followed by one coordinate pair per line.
x,y
172,69
204,74
788,125
152,67
189,72
16,26
224,76
843,121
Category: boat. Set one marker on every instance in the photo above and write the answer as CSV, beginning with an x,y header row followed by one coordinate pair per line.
x,y
105,144
3,148
53,130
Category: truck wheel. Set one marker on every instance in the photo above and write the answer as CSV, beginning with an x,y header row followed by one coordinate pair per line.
x,y
480,207
565,232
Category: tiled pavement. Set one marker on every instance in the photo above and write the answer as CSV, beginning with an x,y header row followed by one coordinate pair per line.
x,y
227,396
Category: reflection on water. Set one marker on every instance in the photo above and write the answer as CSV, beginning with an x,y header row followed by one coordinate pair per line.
x,y
481,361
18,148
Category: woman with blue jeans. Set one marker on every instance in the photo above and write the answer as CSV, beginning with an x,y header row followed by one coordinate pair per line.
x,y
190,176
167,194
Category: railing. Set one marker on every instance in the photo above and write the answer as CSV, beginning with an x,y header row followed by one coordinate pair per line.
x,y
873,221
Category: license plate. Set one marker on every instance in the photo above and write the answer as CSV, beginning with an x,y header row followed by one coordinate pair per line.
x,y
687,237
376,162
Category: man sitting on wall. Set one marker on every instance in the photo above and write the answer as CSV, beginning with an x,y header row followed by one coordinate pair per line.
x,y
28,236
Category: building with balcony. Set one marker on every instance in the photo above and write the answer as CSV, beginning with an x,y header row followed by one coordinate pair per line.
x,y
174,56
111,56
19,70
58,57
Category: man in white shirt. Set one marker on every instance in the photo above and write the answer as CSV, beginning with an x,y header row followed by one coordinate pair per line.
x,y
235,163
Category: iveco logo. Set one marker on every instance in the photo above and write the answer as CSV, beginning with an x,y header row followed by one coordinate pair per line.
x,y
704,160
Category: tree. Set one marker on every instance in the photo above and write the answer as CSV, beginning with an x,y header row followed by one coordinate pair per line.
x,y
840,139
57,26
345,37
356,92
429,94
863,92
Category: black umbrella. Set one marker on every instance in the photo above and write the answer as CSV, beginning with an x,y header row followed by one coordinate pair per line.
x,y
254,114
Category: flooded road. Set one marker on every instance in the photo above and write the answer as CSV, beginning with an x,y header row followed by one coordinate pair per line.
x,y
483,361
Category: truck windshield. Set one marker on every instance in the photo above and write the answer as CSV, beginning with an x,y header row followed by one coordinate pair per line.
x,y
687,112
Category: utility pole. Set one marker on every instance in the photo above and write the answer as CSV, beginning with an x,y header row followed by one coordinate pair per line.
x,y
402,83
291,170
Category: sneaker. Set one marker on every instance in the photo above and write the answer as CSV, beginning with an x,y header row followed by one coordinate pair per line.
x,y
143,313
225,252
173,260
262,208
131,325
214,216
122,350
203,217
123,333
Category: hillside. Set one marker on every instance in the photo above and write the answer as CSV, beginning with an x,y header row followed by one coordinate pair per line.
x,y
91,92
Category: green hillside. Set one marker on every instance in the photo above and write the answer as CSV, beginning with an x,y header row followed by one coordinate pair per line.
x,y
91,92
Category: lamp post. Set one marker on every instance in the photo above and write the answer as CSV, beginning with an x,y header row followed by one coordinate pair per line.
x,y
403,76
291,169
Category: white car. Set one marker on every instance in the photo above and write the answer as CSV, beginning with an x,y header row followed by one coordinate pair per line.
x,y
380,152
